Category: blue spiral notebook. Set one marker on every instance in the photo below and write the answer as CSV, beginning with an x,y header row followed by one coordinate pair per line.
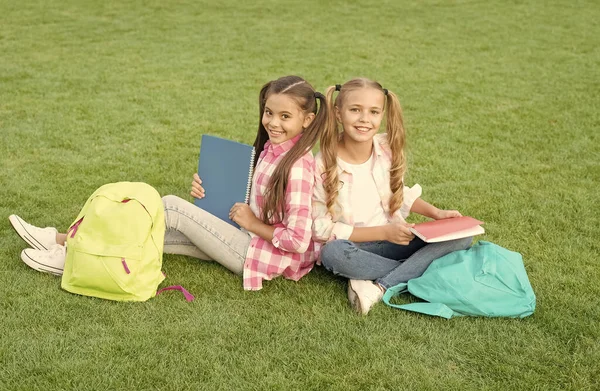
x,y
225,168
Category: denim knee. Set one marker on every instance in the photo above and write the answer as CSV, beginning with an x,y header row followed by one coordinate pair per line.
x,y
171,203
464,243
333,252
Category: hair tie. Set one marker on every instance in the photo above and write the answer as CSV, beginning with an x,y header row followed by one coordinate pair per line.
x,y
385,91
338,87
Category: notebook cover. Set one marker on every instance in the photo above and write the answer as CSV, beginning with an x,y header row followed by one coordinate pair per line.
x,y
444,229
225,168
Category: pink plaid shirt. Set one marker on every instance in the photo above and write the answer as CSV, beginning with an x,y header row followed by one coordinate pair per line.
x,y
291,251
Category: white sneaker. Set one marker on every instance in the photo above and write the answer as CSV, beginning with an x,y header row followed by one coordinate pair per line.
x,y
49,261
363,294
38,238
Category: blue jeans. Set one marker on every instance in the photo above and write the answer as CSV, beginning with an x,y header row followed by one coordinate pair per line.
x,y
388,264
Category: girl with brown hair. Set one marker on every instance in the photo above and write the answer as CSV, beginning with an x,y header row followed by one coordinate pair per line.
x,y
276,235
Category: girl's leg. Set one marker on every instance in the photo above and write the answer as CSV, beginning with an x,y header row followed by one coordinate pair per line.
x,y
178,243
61,238
418,262
37,238
48,261
214,238
368,260
45,238
387,263
362,263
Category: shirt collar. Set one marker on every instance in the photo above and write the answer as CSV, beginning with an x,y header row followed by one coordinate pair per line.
x,y
377,151
376,146
278,149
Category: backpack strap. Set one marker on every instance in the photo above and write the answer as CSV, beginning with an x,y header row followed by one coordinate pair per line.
x,y
188,296
434,309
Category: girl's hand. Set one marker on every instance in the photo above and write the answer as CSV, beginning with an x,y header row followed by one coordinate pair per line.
x,y
243,216
197,189
446,214
399,233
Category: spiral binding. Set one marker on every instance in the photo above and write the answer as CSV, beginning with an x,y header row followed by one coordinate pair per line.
x,y
250,173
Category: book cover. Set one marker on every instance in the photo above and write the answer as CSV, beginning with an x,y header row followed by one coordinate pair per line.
x,y
448,229
225,168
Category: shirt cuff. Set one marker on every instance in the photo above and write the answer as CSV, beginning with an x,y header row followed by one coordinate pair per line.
x,y
276,236
410,196
341,231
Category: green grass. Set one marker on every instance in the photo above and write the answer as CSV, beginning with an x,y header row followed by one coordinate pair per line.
x,y
502,104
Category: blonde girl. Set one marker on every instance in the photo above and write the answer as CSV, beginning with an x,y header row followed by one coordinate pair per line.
x,y
276,235
360,201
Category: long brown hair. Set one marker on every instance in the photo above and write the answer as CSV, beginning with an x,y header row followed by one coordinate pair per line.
x,y
306,97
396,137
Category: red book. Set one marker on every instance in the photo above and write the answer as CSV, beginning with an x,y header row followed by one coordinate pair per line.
x,y
448,229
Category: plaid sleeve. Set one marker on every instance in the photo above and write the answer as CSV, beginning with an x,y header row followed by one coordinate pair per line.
x,y
295,235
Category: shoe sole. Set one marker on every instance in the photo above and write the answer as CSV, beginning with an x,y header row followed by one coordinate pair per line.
x,y
354,300
40,267
16,223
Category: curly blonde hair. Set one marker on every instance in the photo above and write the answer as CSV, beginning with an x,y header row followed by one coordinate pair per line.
x,y
396,137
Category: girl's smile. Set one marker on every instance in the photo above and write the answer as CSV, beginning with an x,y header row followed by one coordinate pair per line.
x,y
283,118
361,114
363,129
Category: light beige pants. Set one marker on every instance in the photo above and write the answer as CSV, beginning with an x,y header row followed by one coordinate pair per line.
x,y
194,232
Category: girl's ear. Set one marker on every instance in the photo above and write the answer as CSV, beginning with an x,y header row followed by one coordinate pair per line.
x,y
308,120
338,115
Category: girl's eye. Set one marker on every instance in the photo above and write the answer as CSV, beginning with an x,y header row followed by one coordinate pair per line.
x,y
268,112
374,112
285,116
354,110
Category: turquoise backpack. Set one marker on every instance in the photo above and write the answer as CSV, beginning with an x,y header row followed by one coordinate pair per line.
x,y
115,245
484,280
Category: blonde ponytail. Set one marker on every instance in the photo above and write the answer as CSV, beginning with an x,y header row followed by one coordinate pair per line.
x,y
397,140
329,148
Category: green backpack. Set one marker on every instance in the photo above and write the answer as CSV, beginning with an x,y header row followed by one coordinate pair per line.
x,y
484,280
115,246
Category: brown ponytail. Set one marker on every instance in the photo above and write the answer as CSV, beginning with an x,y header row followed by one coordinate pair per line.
x,y
273,210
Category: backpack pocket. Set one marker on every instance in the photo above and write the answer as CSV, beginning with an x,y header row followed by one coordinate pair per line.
x,y
102,275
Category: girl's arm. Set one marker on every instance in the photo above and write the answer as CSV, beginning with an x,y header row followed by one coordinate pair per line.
x,y
240,213
424,208
245,218
325,229
295,235
398,233
197,189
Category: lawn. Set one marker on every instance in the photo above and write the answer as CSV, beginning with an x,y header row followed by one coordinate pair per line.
x,y
502,105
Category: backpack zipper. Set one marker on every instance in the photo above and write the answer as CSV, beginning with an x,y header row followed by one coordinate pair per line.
x,y
125,265
74,227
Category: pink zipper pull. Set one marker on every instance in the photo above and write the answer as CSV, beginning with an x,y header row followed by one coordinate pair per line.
x,y
74,227
125,266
